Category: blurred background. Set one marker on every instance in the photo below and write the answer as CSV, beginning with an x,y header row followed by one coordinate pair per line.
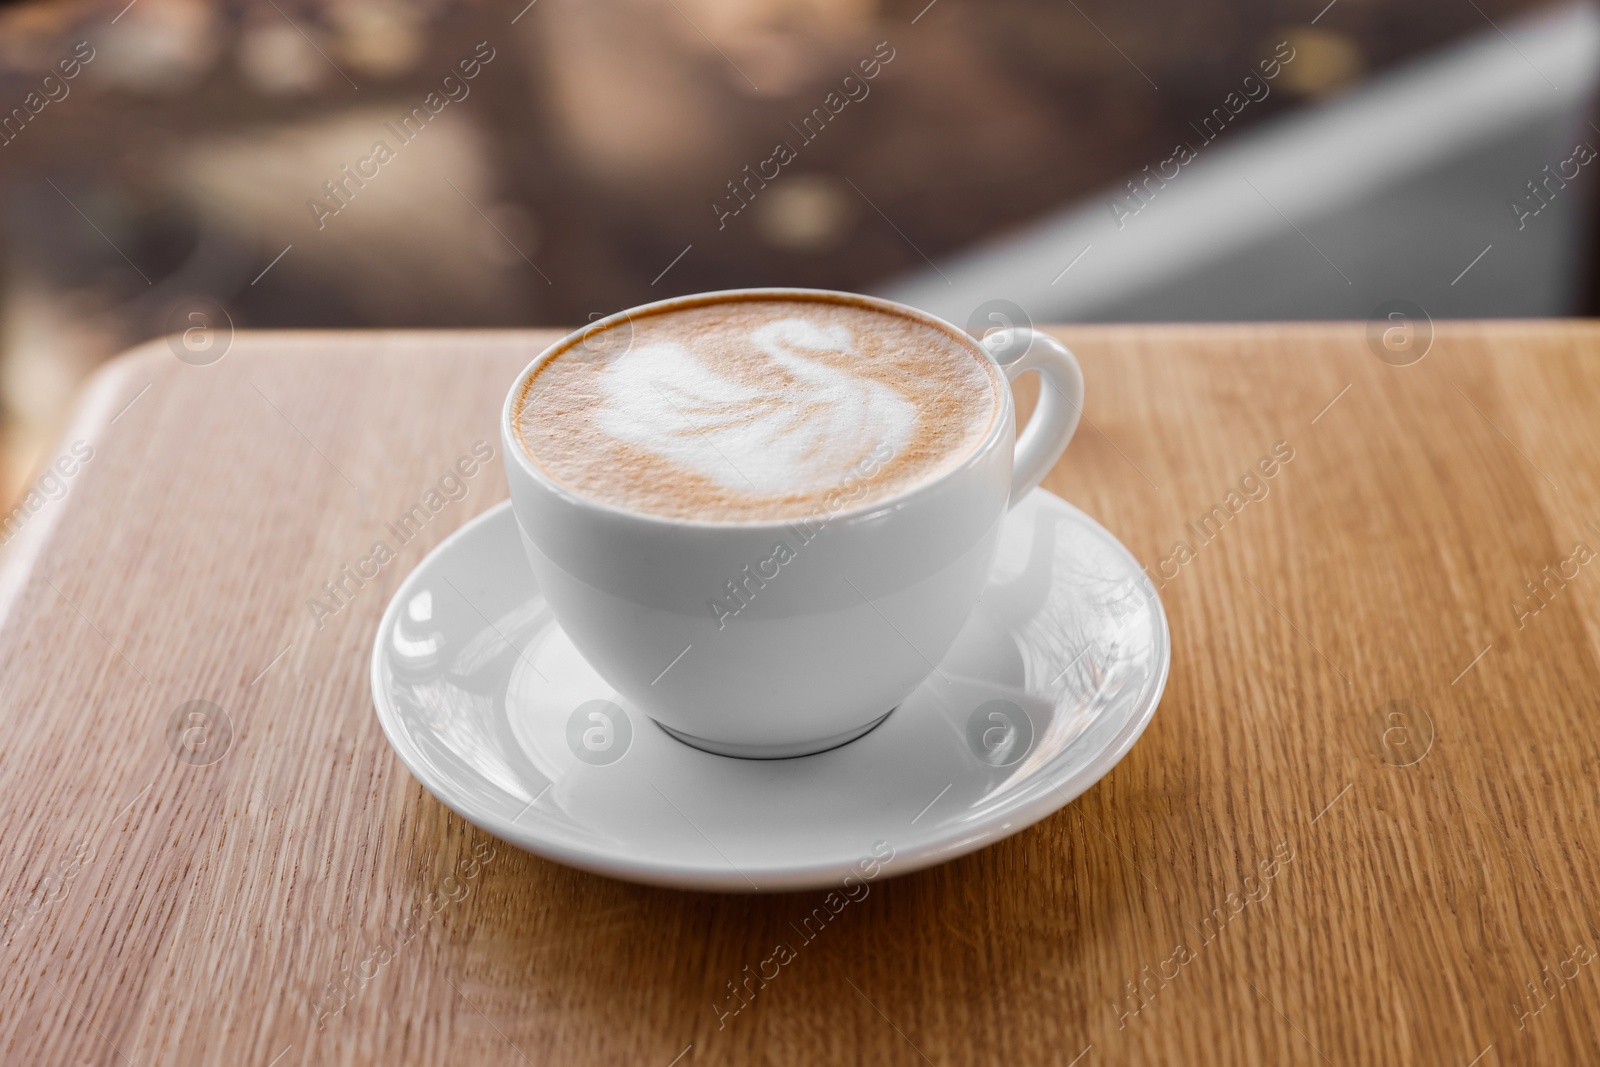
x,y
405,163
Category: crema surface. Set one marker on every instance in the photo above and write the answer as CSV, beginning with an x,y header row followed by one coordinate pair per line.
x,y
757,408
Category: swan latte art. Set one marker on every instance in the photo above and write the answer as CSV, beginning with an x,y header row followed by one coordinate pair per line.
x,y
754,408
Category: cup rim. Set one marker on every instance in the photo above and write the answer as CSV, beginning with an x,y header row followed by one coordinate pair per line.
x,y
513,445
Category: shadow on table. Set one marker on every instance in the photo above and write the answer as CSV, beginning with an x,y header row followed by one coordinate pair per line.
x,y
949,956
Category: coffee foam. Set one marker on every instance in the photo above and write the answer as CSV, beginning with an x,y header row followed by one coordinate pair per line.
x,y
756,408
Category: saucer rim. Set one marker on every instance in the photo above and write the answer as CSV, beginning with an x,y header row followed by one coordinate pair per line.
x,y
787,877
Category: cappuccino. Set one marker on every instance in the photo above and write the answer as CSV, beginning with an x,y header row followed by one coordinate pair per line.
x,y
756,408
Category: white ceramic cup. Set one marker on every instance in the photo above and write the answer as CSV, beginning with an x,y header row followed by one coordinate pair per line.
x,y
823,649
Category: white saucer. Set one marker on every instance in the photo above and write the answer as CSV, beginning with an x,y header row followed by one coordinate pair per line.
x,y
1048,686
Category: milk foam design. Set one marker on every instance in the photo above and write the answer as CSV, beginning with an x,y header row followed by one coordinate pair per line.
x,y
804,427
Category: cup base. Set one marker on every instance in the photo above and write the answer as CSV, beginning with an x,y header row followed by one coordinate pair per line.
x,y
789,751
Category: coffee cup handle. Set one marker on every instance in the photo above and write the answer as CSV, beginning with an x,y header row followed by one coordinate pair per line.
x,y
1019,350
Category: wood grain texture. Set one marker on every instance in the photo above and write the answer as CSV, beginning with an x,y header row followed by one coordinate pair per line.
x,y
1332,906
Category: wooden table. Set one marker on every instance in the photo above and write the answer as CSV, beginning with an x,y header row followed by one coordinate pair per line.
x,y
1362,828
